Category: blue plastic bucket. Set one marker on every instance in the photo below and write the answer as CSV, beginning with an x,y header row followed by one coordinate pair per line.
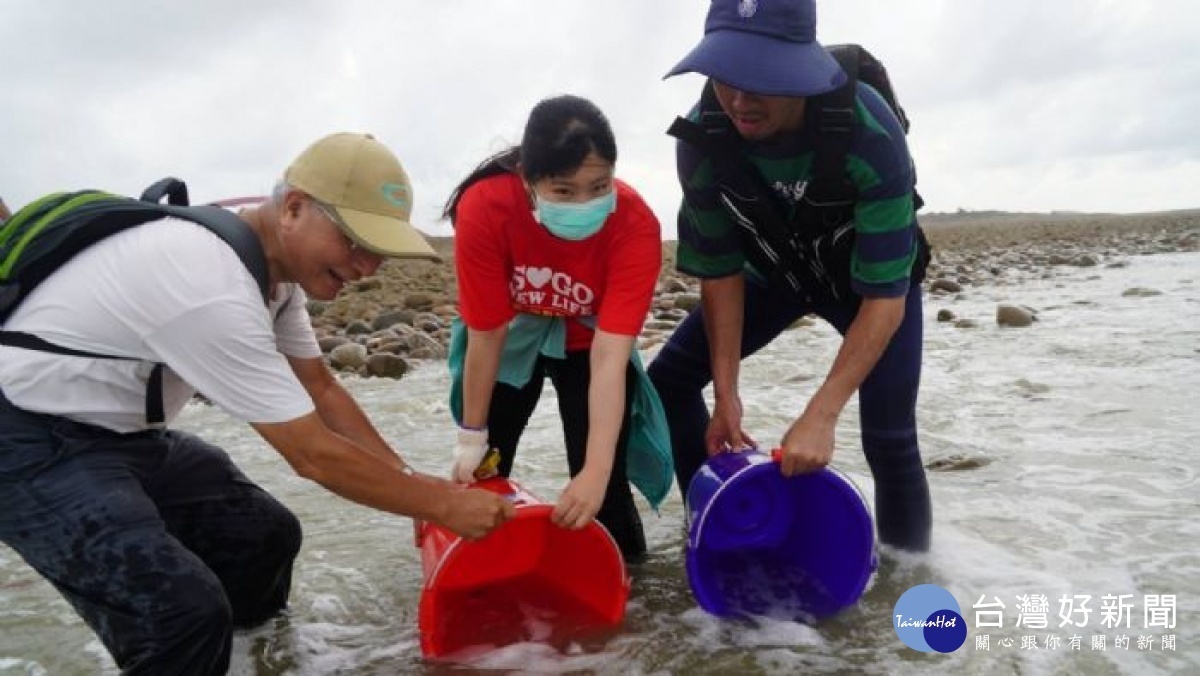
x,y
799,548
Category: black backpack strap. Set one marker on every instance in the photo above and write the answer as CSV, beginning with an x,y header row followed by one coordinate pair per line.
x,y
713,135
28,341
832,121
221,222
156,416
155,412
172,188
237,234
832,117
689,132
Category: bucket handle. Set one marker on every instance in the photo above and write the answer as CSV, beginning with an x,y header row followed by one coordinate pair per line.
x,y
418,533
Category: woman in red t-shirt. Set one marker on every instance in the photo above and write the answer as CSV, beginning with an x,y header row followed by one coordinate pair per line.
x,y
555,254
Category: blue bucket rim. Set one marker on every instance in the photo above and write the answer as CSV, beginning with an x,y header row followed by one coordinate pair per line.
x,y
694,533
863,515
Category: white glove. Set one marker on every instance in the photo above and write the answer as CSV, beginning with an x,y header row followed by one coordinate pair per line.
x,y
469,450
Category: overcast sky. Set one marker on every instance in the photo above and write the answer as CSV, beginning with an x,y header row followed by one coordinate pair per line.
x,y
1019,105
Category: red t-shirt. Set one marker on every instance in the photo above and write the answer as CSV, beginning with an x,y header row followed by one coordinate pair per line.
x,y
508,263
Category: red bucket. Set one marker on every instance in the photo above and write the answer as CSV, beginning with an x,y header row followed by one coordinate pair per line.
x,y
529,580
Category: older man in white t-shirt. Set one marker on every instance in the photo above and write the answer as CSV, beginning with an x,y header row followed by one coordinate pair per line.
x,y
154,536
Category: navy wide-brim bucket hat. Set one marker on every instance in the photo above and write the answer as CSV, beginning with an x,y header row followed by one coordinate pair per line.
x,y
764,47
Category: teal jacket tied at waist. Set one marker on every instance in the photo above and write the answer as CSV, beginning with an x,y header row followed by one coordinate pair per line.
x,y
648,462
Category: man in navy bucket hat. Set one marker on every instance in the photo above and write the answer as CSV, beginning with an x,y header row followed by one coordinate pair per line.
x,y
770,245
768,47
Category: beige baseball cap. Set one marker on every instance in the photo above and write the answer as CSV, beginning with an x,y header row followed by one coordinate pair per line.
x,y
364,183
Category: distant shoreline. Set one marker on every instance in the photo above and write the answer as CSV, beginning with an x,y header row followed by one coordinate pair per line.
x,y
406,308
973,230
976,228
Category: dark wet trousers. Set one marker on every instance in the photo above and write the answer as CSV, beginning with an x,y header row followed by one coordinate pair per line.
x,y
158,541
509,414
887,402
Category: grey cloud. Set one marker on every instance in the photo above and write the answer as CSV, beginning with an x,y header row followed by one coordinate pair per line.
x,y
223,94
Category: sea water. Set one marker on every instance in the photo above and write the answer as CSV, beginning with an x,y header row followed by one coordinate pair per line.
x,y
1076,440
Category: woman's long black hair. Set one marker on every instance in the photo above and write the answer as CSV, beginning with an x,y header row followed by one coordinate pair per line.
x,y
560,133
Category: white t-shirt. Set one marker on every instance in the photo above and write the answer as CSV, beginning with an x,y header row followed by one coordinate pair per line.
x,y
168,291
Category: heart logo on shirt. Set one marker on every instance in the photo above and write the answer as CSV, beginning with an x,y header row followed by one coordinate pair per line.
x,y
538,276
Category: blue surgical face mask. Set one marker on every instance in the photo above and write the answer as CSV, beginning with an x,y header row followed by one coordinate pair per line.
x,y
574,220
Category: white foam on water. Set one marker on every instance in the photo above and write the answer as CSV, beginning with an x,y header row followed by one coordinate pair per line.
x,y
534,657
22,666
